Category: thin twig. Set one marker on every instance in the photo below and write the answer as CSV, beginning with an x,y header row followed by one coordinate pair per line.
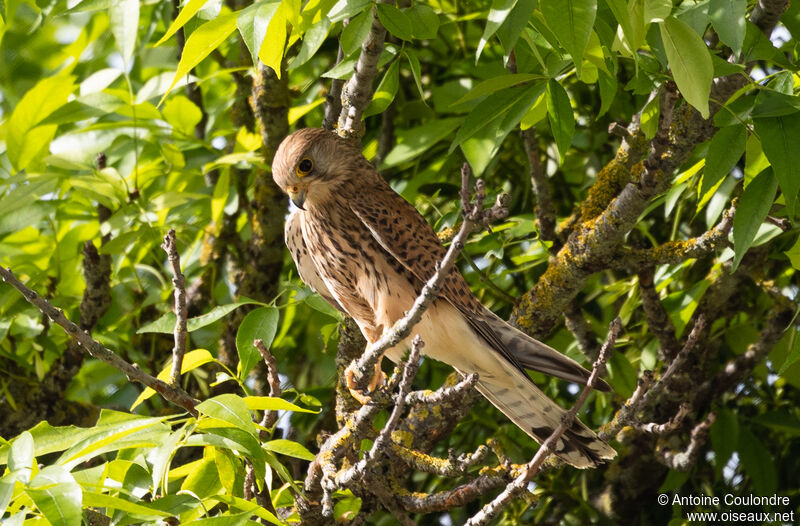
x,y
274,382
445,393
384,437
180,332
683,460
96,349
521,482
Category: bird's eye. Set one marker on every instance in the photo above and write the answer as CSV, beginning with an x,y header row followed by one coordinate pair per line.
x,y
304,167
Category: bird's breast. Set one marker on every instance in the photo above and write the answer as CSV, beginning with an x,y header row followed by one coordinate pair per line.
x,y
366,281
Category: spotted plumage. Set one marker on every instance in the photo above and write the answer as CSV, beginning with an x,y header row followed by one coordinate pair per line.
x,y
368,252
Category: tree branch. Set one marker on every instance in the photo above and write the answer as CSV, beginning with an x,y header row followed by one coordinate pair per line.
x,y
357,93
179,282
96,349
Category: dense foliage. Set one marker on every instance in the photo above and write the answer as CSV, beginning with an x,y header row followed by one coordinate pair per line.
x,y
649,151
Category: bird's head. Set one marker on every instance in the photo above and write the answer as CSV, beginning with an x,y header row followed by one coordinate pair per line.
x,y
311,162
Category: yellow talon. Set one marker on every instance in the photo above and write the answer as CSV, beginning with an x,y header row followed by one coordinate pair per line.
x,y
378,378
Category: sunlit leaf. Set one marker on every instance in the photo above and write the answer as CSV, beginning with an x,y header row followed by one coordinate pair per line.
x,y
572,22
395,21
562,121
754,205
779,140
289,448
689,61
187,12
728,19
201,43
260,323
228,408
497,15
124,19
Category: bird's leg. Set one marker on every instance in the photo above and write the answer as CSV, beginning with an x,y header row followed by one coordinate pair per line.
x,y
378,378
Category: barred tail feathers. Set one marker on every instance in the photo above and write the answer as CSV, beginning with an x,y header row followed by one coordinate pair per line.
x,y
530,409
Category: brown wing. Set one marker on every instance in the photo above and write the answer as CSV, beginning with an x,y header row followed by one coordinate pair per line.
x,y
402,232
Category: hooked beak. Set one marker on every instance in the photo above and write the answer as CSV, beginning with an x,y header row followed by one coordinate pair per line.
x,y
298,197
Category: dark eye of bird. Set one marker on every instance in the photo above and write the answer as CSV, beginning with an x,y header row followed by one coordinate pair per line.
x,y
306,165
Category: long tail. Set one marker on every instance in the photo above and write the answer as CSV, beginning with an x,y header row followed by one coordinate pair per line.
x,y
512,392
535,355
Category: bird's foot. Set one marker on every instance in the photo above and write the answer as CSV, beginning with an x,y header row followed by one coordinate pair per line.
x,y
363,395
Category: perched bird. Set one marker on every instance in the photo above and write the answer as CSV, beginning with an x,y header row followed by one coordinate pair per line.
x,y
368,252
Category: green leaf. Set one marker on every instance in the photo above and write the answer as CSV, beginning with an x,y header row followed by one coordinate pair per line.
x,y
682,304
572,22
489,110
497,15
312,41
166,323
621,13
649,119
7,483
724,151
24,139
347,9
754,205
509,32
182,114
412,142
201,43
20,458
690,62
794,350
354,33
562,121
771,103
755,161
289,448
252,23
270,403
794,254
225,520
783,421
203,480
779,139
57,495
101,500
757,462
259,323
346,509
124,20
229,408
416,71
622,375
724,434
252,507
482,148
728,19
271,50
386,91
489,86
395,21
424,21
191,360
188,11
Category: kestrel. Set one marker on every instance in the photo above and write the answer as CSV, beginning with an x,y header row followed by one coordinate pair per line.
x,y
368,252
